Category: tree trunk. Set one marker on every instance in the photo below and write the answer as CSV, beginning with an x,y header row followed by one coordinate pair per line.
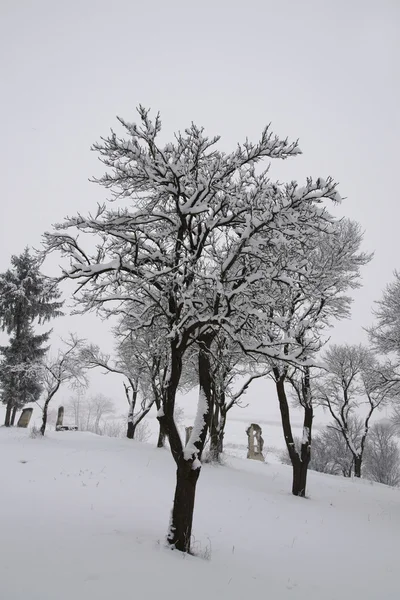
x,y
217,433
44,418
299,466
221,430
221,435
205,385
7,420
214,437
214,454
13,415
46,406
161,437
301,469
130,432
357,466
180,532
285,417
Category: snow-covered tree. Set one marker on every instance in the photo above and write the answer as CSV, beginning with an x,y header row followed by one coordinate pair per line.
x,y
20,371
354,383
385,334
232,372
89,414
65,367
330,452
178,250
382,455
26,296
99,406
74,408
140,358
139,397
308,295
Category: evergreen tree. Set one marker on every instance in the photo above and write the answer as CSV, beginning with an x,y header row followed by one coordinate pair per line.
x,y
26,295
20,371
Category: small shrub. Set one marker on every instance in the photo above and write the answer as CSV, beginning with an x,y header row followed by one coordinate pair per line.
x,y
35,432
142,432
113,428
197,549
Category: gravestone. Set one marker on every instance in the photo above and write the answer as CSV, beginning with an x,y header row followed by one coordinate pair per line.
x,y
25,417
60,418
188,431
255,442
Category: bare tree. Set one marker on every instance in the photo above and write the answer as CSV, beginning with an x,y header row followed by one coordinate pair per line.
x,y
354,380
90,413
75,408
180,254
65,367
228,365
309,294
330,452
144,354
99,406
141,363
385,334
382,455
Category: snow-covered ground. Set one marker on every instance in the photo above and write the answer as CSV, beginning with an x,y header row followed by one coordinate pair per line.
x,y
84,517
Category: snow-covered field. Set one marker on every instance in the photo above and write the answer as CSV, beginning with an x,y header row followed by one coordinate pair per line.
x,y
84,517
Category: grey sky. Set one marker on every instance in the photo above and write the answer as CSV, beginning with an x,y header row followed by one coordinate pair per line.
x,y
326,72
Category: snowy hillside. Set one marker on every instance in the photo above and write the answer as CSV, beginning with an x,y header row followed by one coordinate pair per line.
x,y
84,517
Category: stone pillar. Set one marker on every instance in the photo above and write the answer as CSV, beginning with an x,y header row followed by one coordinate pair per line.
x,y
255,442
60,417
188,431
25,417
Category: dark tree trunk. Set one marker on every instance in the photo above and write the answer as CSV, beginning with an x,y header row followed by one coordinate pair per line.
x,y
301,469
132,425
44,418
188,468
299,478
205,385
130,432
7,420
285,417
166,413
300,461
357,466
46,406
133,386
13,415
180,532
44,423
161,437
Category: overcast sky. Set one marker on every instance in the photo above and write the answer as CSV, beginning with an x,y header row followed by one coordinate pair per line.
x,y
326,72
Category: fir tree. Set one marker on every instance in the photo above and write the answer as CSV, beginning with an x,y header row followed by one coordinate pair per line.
x,y
20,370
26,295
